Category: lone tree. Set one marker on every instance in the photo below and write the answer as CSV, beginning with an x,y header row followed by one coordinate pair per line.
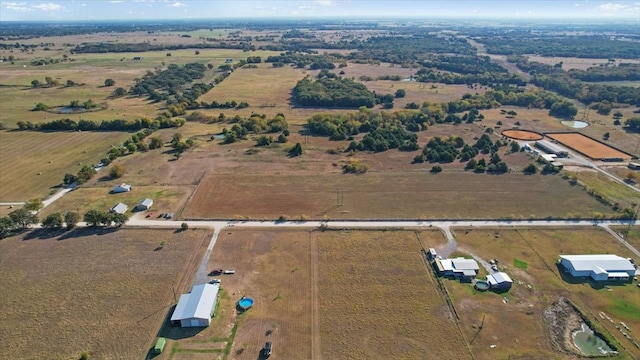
x,y
71,219
33,205
53,221
530,169
23,218
400,93
117,171
296,150
109,82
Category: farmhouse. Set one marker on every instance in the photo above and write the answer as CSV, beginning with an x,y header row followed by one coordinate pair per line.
x,y
598,267
119,208
144,204
121,188
500,281
551,148
196,308
460,267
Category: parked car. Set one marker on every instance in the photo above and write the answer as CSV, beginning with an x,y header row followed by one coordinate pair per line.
x,y
267,349
168,216
216,272
215,281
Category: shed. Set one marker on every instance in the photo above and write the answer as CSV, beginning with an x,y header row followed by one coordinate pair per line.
x,y
144,204
119,208
499,280
601,267
196,308
159,346
458,267
634,166
121,188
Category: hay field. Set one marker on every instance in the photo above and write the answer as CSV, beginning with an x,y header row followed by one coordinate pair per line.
x,y
389,195
520,318
101,291
379,300
25,154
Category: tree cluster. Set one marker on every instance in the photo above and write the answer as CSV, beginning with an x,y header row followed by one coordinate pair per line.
x,y
255,124
104,218
105,125
328,92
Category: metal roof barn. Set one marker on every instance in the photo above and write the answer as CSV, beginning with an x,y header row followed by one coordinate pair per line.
x,y
196,308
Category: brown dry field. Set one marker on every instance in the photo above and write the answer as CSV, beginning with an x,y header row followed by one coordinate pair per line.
x,y
272,267
588,146
569,63
101,291
416,195
519,321
379,300
522,135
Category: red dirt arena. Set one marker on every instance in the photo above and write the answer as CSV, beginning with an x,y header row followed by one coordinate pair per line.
x,y
588,146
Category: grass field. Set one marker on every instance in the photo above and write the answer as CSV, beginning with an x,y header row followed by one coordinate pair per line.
x,y
577,63
520,317
609,189
101,291
378,299
24,155
389,195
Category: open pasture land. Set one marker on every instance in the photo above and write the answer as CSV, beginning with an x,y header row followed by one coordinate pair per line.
x,y
588,146
273,268
165,199
569,63
355,71
389,195
419,92
529,256
606,187
379,300
105,292
24,155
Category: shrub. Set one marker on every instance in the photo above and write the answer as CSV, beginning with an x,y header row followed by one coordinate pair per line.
x,y
184,226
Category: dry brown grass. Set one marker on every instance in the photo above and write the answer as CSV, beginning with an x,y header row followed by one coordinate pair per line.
x,y
569,63
389,195
101,291
379,300
540,249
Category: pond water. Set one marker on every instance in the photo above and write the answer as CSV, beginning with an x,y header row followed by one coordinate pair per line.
x,y
576,124
70,110
589,343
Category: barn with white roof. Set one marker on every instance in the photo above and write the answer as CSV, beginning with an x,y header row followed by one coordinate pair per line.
x,y
598,267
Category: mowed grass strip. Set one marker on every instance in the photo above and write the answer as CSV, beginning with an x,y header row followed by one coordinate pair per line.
x,y
390,195
378,299
24,155
103,292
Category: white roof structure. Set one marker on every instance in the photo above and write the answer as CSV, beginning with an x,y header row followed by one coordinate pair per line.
x,y
119,208
550,147
599,263
145,203
499,278
198,304
464,264
122,188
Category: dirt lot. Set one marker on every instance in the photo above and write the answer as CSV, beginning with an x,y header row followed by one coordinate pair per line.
x,y
105,291
587,146
538,282
522,135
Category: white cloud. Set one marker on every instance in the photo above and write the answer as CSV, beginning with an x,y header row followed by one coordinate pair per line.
x,y
116,1
48,7
177,5
611,7
326,2
15,6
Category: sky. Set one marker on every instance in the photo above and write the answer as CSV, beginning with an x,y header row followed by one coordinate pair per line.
x,y
78,10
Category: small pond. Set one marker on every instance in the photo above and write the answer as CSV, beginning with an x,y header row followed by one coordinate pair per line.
x,y
70,110
576,124
590,343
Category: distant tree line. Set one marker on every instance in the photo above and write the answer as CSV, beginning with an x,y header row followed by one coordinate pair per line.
x,y
105,125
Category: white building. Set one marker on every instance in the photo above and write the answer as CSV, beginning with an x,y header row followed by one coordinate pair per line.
x,y
551,148
458,267
119,208
196,308
598,267
121,188
499,280
144,204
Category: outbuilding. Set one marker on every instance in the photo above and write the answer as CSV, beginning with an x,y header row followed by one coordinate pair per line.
x,y
119,208
603,267
500,281
144,204
551,148
465,269
196,308
121,188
